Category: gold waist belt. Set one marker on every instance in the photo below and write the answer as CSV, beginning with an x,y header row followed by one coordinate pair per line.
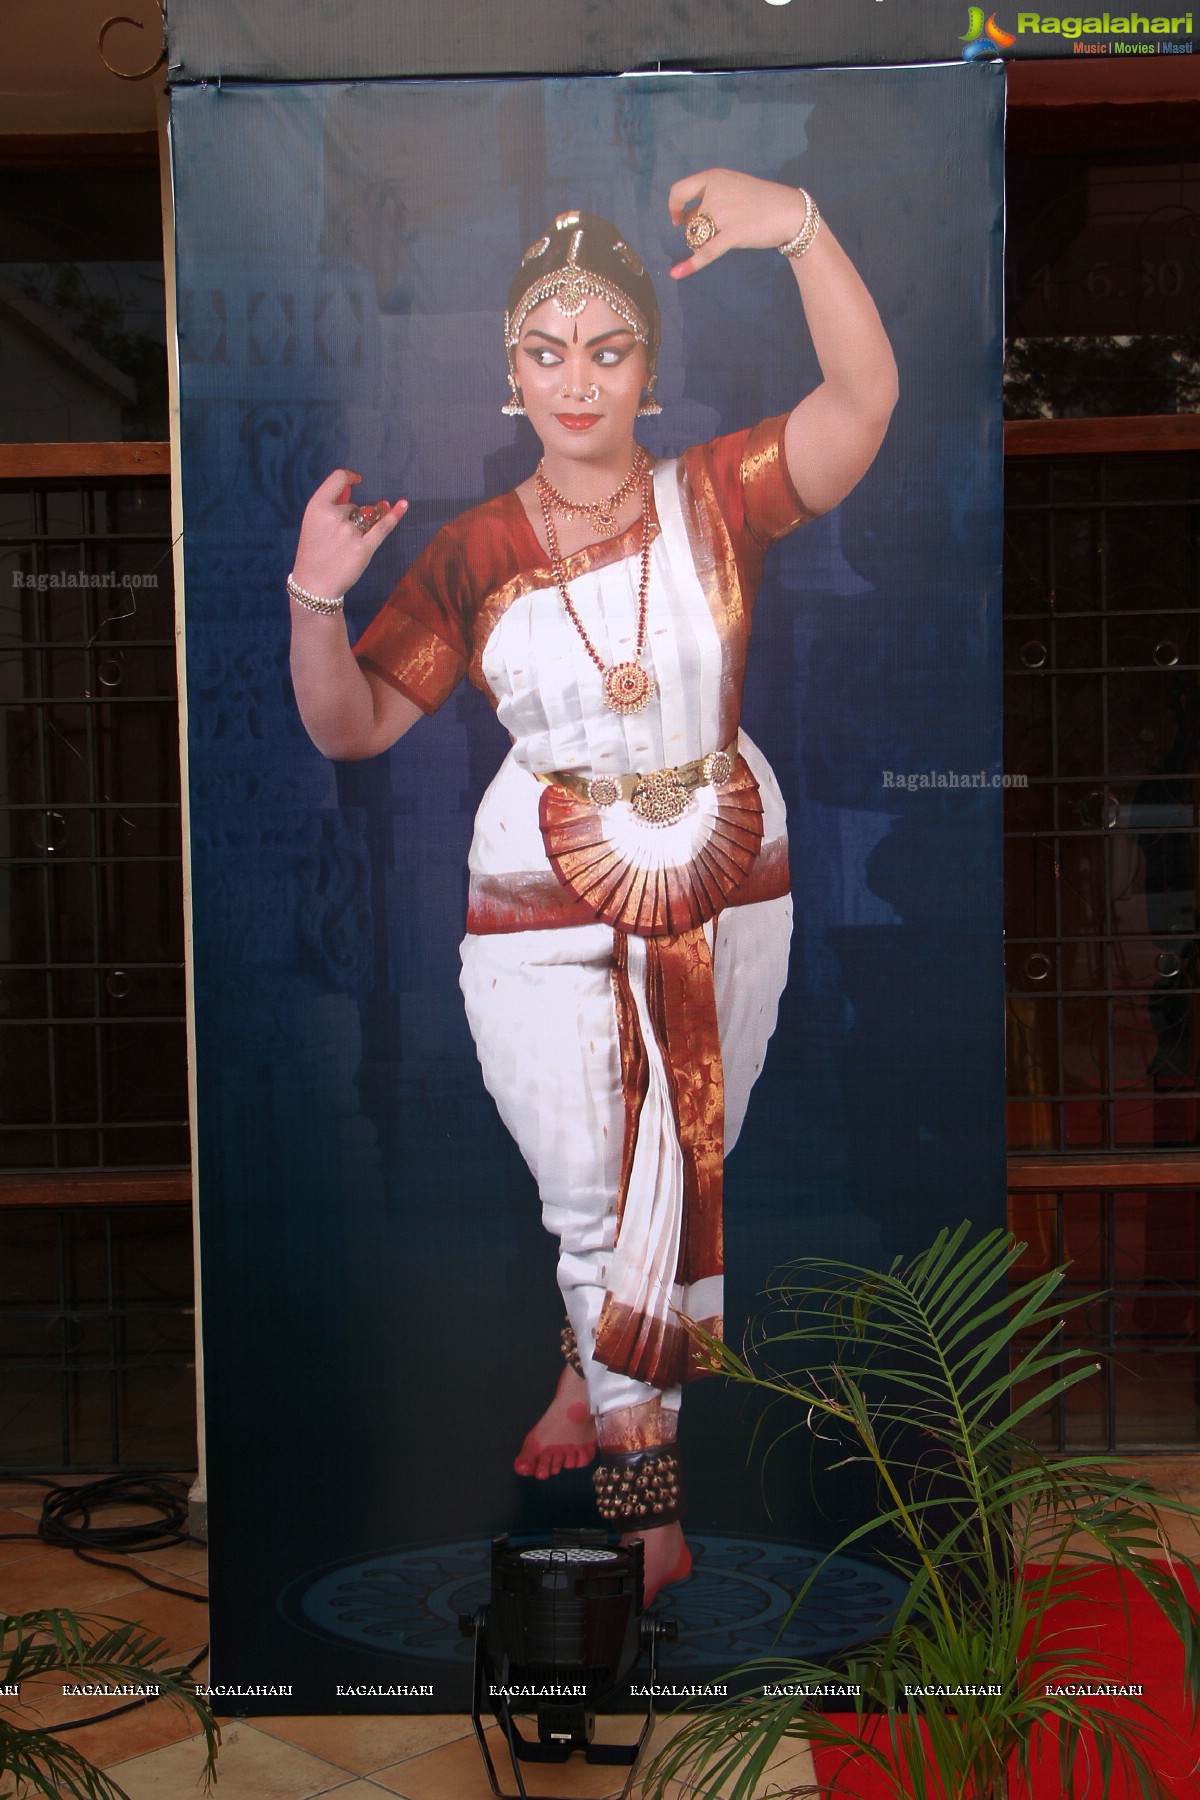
x,y
658,798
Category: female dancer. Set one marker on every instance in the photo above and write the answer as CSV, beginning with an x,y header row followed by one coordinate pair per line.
x,y
629,913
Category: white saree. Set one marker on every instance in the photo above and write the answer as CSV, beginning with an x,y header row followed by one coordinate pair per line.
x,y
541,1003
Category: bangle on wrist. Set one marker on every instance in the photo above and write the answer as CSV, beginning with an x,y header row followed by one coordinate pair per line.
x,y
806,236
325,604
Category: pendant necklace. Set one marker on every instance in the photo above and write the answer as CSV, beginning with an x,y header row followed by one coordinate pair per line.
x,y
627,685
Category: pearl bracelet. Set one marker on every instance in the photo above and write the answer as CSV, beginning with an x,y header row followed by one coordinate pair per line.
x,y
806,235
325,604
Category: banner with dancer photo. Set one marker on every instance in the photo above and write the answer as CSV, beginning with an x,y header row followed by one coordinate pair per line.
x,y
417,1002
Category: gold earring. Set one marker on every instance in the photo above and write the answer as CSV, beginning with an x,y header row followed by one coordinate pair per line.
x,y
514,406
649,408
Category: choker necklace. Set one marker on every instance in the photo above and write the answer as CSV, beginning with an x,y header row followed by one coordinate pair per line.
x,y
601,515
627,685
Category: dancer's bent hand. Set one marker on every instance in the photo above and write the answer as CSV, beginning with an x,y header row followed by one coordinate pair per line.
x,y
748,213
333,553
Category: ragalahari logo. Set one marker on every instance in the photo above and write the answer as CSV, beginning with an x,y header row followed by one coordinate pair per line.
x,y
983,37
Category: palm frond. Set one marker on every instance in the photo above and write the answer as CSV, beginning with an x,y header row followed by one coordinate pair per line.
x,y
91,1648
927,1371
43,1764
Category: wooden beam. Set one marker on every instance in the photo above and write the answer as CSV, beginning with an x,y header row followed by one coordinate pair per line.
x,y
1084,81
1105,104
150,1187
1101,437
45,462
1125,1169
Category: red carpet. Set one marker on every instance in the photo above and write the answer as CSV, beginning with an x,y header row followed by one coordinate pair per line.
x,y
1141,1649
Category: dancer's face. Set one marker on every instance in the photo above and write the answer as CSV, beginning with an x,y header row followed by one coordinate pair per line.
x,y
582,380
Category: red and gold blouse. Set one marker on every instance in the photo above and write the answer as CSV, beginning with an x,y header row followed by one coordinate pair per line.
x,y
481,600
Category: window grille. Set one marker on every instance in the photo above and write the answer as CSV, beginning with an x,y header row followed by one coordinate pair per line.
x,y
92,1046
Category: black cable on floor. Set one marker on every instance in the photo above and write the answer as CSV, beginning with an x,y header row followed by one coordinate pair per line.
x,y
146,1581
67,1514
167,1495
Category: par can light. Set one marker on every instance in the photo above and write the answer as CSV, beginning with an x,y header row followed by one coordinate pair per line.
x,y
563,1630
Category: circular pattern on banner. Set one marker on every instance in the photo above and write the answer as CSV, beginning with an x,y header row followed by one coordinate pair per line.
x,y
408,1602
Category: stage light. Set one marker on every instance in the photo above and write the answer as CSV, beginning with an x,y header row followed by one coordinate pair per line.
x,y
563,1629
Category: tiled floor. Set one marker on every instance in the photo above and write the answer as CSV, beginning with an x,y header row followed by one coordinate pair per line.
x,y
155,1755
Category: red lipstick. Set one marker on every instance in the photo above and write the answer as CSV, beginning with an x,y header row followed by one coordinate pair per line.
x,y
577,421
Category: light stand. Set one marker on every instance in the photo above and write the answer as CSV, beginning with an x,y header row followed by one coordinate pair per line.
x,y
564,1627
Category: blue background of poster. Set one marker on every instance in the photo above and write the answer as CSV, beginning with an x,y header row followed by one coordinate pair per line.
x,y
380,1313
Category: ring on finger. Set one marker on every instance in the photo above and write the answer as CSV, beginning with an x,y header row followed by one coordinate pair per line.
x,y
364,517
701,229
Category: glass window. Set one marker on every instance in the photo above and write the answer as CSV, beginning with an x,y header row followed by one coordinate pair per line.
x,y
1103,286
82,308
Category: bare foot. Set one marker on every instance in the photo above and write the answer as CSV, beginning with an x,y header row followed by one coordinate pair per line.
x,y
564,1437
665,1558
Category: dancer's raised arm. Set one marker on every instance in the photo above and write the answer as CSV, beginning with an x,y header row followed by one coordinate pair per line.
x,y
833,434
348,711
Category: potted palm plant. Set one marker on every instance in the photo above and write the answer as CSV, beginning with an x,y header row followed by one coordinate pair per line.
x,y
929,1371
85,1651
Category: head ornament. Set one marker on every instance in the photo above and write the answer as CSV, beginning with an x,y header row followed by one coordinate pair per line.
x,y
583,257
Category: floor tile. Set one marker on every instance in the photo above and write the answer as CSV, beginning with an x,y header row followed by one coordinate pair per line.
x,y
252,1766
10,1551
182,1624
61,1580
456,1772
133,1734
368,1790
363,1743
23,1493
190,1560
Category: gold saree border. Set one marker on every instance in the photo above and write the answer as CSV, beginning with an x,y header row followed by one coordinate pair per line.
x,y
656,1346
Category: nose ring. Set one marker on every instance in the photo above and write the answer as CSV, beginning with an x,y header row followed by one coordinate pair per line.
x,y
590,395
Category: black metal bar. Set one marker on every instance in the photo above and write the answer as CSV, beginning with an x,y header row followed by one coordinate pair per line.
x,y
1056,822
1109,1214
94,785
90,1125
1060,1238
114,1404
59,862
61,1227
170,967
96,806
1090,612
1110,1052
116,1020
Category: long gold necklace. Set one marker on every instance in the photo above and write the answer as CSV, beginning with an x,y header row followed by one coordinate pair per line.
x,y
600,514
627,685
